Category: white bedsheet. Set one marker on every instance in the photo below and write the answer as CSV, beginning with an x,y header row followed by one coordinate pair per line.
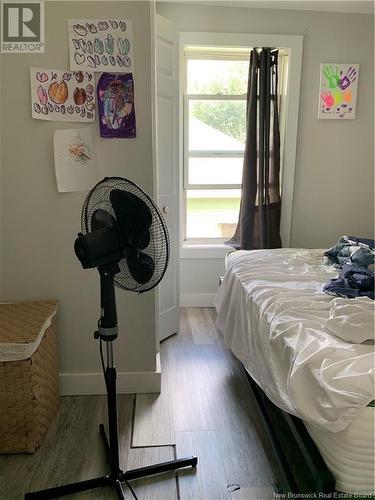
x,y
273,312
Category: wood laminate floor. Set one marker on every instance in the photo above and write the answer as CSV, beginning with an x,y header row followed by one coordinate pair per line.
x,y
205,408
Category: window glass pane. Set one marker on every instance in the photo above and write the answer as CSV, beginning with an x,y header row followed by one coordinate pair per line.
x,y
205,76
217,125
212,213
215,170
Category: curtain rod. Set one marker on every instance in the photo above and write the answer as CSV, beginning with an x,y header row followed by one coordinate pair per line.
x,y
199,50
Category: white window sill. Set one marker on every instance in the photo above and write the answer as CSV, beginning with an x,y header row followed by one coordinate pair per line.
x,y
204,251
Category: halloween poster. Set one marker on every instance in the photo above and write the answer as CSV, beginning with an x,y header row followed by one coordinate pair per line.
x,y
62,95
115,97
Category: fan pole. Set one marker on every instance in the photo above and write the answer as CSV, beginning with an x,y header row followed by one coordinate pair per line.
x,y
108,329
107,332
112,448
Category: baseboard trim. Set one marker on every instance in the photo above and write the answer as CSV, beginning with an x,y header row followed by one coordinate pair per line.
x,y
78,384
197,299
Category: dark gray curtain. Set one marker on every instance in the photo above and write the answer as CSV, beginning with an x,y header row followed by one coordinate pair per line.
x,y
259,218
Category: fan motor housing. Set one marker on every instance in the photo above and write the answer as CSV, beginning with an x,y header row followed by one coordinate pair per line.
x,y
98,248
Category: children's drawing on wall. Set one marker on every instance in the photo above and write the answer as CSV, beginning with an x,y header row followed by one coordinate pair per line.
x,y
115,96
62,95
79,151
338,91
75,160
101,45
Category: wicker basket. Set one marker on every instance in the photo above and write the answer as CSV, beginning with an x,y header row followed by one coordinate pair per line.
x,y
29,393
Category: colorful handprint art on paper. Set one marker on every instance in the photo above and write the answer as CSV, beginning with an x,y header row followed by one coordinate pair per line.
x,y
101,45
338,91
115,96
58,95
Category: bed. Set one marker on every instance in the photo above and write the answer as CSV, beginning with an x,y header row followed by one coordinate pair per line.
x,y
310,354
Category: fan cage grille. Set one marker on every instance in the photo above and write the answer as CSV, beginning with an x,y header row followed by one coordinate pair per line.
x,y
158,248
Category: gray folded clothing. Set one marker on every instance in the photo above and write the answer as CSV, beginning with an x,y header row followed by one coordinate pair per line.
x,y
353,281
352,250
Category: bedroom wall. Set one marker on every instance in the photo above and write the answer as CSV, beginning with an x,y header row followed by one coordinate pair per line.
x,y
1,148
334,179
39,225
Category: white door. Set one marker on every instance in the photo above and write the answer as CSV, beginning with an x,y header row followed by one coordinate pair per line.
x,y
167,166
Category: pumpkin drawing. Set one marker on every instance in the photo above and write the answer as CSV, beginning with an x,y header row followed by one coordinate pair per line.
x,y
58,93
79,96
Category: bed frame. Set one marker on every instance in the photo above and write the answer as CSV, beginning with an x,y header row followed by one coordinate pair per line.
x,y
302,469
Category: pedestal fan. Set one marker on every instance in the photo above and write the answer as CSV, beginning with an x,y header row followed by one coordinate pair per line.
x,y
125,237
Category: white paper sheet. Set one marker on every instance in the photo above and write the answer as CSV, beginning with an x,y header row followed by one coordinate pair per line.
x,y
59,95
101,45
75,160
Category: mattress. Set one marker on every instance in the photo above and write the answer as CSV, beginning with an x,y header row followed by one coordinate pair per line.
x,y
277,320
349,454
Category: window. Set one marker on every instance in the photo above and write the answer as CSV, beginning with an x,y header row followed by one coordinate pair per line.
x,y
215,123
214,139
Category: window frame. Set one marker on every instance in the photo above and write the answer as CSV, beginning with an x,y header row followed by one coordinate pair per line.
x,y
292,45
232,54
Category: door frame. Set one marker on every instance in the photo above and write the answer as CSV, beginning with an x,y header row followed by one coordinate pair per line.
x,y
155,181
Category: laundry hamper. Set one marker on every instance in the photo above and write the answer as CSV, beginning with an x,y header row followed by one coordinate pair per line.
x,y
29,393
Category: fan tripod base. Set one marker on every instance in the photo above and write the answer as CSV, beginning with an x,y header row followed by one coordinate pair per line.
x,y
113,479
116,476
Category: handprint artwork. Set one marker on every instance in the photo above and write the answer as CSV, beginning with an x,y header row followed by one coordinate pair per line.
x,y
332,75
327,98
346,80
338,91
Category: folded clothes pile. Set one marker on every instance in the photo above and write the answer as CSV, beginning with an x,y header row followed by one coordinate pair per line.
x,y
351,250
353,281
353,255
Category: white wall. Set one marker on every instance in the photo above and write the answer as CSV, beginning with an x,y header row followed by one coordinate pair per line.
x,y
199,280
1,148
39,225
334,179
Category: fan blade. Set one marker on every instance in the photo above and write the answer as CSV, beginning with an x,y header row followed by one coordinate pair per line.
x,y
101,218
144,240
141,266
133,217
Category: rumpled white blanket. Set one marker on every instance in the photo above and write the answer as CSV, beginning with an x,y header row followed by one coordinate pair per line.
x,y
277,320
353,322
